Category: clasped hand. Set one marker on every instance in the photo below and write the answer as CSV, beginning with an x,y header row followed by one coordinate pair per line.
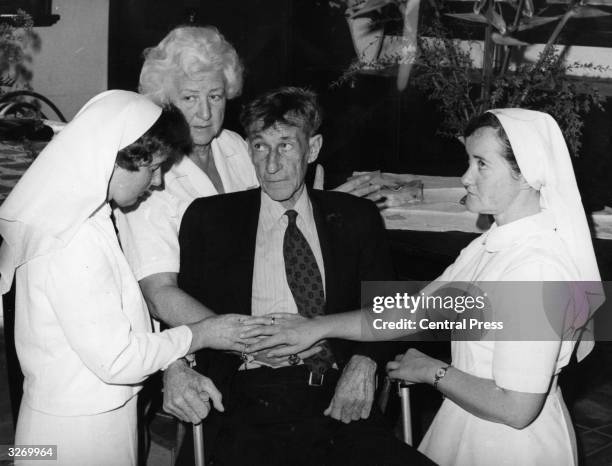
x,y
187,394
286,335
292,334
275,340
265,341
249,334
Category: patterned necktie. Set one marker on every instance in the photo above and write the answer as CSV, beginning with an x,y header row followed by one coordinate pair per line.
x,y
306,285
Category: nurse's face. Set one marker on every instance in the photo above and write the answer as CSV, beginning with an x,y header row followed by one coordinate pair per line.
x,y
491,185
128,187
202,102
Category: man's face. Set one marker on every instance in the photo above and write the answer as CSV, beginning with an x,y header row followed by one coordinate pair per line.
x,y
202,102
281,154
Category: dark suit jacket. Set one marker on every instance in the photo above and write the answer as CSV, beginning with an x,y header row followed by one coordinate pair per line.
x,y
217,243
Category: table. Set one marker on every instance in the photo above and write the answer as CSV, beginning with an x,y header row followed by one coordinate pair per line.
x,y
441,211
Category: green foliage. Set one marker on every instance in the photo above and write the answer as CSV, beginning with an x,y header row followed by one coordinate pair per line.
x,y
18,41
445,73
547,86
444,70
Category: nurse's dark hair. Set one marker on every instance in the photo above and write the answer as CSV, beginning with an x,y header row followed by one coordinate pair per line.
x,y
489,120
169,136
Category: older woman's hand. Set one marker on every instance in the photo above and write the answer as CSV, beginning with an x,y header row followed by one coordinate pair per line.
x,y
287,334
413,367
222,332
357,185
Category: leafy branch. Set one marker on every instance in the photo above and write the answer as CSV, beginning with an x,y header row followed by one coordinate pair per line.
x,y
443,68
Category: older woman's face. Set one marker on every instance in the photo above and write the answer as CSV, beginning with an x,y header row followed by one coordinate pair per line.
x,y
489,181
202,102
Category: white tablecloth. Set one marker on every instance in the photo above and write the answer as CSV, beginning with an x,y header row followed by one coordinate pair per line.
x,y
441,210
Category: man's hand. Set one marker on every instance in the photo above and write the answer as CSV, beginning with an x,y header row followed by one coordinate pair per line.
x,y
357,185
187,394
283,361
355,391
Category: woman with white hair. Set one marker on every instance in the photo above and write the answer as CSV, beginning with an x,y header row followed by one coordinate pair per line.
x,y
502,404
82,329
197,70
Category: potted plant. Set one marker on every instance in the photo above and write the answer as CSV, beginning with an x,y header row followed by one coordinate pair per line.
x,y
368,21
445,69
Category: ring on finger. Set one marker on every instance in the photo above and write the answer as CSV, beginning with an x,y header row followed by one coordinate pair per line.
x,y
243,355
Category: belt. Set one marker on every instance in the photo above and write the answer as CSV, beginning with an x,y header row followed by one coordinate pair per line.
x,y
290,374
315,379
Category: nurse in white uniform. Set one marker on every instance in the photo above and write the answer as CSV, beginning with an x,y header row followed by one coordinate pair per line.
x,y
502,402
82,329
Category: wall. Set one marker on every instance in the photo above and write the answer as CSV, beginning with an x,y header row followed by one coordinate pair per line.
x,y
72,64
573,54
596,55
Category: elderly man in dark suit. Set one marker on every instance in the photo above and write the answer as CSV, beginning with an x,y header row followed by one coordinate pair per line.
x,y
285,248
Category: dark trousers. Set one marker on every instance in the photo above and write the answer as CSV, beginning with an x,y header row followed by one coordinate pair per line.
x,y
273,417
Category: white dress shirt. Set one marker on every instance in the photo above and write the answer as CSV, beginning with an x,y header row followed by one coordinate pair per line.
x,y
271,291
149,233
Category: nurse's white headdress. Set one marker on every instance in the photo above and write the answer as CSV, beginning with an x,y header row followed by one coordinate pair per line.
x,y
544,161
68,181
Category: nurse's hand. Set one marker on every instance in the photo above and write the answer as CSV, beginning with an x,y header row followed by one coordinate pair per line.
x,y
413,367
222,332
288,334
187,394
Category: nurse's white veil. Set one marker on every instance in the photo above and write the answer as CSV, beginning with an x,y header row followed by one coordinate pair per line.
x,y
544,161
69,180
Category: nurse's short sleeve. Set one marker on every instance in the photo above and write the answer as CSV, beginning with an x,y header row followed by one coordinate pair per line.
x,y
527,362
149,235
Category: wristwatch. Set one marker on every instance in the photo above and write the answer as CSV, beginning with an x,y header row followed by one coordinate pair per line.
x,y
440,373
